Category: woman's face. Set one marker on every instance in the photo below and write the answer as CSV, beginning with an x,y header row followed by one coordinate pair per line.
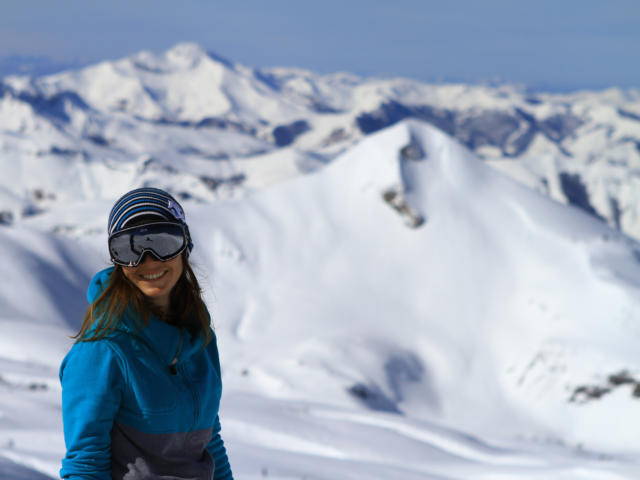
x,y
155,278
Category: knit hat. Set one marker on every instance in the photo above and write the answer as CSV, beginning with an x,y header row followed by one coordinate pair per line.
x,y
148,204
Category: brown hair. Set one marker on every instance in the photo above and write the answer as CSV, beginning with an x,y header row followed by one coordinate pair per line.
x,y
187,307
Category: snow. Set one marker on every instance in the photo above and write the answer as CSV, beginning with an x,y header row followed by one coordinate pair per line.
x,y
357,343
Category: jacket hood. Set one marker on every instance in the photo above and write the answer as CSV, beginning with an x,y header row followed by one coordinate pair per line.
x,y
98,283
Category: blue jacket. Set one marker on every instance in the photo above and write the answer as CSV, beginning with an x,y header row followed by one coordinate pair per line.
x,y
128,414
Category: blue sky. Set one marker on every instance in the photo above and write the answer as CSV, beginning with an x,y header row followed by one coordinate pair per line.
x,y
559,44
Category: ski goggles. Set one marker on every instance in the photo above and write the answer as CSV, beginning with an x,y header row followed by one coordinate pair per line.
x,y
163,240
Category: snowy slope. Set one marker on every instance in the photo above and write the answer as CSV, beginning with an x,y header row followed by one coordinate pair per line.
x,y
404,312
208,126
491,293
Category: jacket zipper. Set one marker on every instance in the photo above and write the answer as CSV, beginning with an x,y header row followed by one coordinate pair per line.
x,y
174,367
174,362
194,396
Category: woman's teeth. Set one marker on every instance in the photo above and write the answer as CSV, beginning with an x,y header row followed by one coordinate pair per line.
x,y
152,276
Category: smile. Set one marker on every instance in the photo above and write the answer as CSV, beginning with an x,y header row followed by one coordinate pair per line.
x,y
153,276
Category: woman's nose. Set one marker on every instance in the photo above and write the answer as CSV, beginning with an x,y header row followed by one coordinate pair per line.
x,y
148,257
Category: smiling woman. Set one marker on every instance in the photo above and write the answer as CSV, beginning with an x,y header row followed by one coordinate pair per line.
x,y
156,279
141,386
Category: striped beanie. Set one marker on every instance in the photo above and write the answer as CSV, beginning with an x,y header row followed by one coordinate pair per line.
x,y
148,204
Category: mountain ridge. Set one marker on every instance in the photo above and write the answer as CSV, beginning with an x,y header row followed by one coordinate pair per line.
x,y
186,105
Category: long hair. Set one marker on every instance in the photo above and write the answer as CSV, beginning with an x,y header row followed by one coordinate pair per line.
x,y
106,312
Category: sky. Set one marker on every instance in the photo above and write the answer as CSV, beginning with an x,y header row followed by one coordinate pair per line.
x,y
546,44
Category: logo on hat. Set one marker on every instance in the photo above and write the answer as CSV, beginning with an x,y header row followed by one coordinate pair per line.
x,y
176,210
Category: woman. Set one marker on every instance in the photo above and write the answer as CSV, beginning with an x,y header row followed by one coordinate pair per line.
x,y
141,386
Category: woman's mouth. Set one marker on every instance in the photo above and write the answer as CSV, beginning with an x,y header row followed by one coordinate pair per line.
x,y
153,276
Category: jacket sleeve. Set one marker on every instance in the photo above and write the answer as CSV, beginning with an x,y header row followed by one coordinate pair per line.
x,y
222,468
92,385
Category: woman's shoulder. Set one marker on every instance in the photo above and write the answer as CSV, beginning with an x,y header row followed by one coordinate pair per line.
x,y
94,365
88,353
212,351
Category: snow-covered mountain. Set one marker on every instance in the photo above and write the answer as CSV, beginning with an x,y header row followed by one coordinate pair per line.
x,y
407,311
205,126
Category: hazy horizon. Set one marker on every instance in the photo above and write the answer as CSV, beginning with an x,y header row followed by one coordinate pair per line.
x,y
548,45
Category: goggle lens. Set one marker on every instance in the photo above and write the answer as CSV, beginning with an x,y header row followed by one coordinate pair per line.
x,y
164,240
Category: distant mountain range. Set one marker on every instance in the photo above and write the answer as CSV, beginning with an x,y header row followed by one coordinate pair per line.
x,y
34,65
149,115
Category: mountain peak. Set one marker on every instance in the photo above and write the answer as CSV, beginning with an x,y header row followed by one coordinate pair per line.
x,y
190,54
186,52
182,57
